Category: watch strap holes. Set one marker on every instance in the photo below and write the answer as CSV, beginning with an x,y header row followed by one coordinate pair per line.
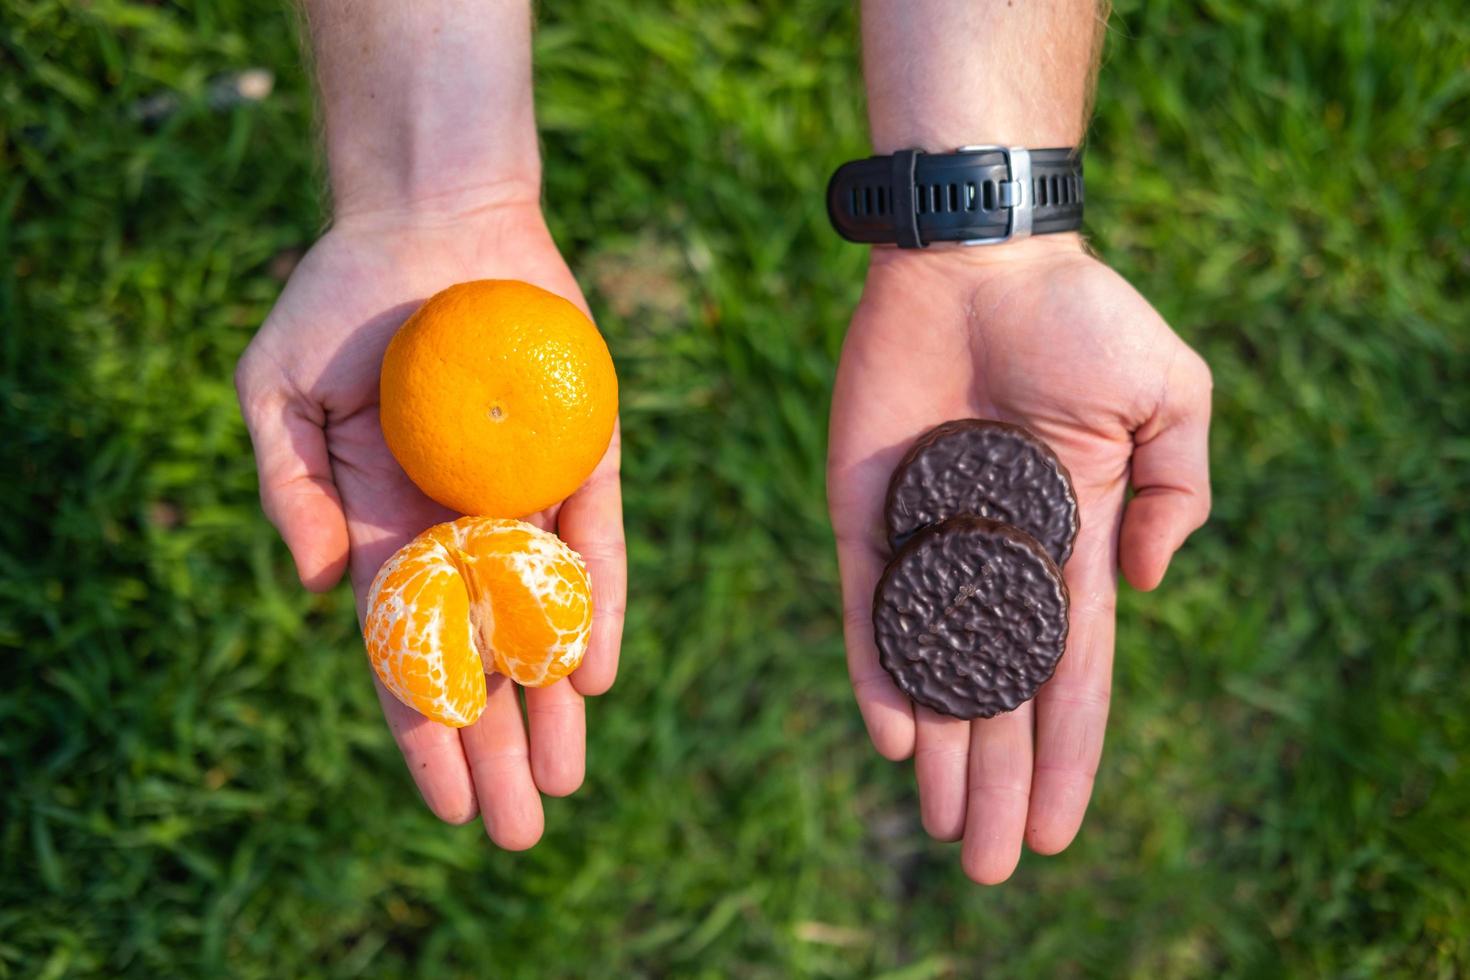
x,y
910,199
868,200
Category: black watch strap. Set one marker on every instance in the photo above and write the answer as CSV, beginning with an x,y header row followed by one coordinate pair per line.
x,y
976,195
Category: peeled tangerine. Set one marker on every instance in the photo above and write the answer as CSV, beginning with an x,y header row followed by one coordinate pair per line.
x,y
473,595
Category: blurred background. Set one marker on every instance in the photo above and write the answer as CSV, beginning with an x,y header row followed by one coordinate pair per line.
x,y
195,779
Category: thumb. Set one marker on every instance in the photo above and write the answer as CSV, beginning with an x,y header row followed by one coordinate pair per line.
x,y
296,488
1171,476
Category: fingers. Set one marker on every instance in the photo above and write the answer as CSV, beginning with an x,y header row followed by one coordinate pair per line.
x,y
999,794
1171,476
495,746
558,723
296,488
941,754
434,757
1072,708
886,711
591,522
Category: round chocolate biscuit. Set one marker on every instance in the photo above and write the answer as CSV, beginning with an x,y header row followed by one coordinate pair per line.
x,y
970,617
989,469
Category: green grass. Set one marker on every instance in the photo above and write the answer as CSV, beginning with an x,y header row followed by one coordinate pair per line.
x,y
194,778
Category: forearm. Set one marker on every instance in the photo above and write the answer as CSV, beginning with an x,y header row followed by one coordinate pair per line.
x,y
427,104
944,73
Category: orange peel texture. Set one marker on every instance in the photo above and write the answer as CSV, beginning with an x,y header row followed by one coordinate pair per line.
x,y
470,596
498,398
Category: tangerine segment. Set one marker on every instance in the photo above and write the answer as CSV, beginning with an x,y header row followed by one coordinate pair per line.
x,y
473,595
530,597
420,638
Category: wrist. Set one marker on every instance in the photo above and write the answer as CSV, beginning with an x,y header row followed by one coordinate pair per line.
x,y
942,75
408,166
412,164
493,208
427,106
956,259
429,203
901,124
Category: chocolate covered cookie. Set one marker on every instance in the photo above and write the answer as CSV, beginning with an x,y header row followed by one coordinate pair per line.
x,y
970,617
989,469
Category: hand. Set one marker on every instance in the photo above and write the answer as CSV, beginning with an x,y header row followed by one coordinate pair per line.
x,y
308,386
1039,333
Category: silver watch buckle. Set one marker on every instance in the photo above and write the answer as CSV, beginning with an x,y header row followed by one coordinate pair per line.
x,y
1013,193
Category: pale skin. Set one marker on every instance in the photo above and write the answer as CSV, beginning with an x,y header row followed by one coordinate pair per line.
x,y
435,178
1037,332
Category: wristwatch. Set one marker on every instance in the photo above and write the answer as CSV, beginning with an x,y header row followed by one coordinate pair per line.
x,y
977,195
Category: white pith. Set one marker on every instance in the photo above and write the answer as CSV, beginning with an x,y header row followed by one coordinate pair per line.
x,y
426,560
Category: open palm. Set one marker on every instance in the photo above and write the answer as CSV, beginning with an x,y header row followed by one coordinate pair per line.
x,y
1041,334
308,387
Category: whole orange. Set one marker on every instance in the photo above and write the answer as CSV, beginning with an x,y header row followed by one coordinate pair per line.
x,y
498,398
